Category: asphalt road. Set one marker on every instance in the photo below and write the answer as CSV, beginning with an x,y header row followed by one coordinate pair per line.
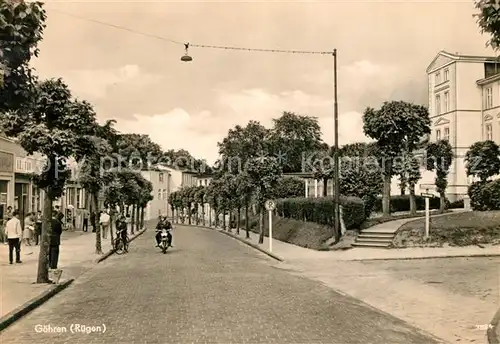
x,y
210,288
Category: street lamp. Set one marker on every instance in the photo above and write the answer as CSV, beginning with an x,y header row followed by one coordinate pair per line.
x,y
336,175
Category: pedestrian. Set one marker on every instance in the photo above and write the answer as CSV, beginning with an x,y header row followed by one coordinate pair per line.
x,y
14,232
104,223
85,221
7,216
55,240
38,227
29,229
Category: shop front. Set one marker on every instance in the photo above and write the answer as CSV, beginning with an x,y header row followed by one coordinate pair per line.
x,y
6,182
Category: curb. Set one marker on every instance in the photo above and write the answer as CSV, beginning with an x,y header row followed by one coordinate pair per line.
x,y
479,255
492,335
112,251
251,244
35,302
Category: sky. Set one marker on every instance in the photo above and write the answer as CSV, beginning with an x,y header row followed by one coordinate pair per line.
x,y
383,50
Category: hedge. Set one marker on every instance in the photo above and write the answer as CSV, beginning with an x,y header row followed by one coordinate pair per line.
x,y
485,195
321,210
402,203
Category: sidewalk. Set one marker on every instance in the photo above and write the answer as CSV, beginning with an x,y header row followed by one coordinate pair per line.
x,y
77,255
290,252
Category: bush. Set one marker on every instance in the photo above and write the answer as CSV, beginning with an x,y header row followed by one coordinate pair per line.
x,y
402,203
485,195
457,204
321,210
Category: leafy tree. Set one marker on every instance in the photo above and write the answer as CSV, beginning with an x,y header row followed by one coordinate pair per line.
x,y
488,20
439,159
245,189
145,196
323,166
290,187
136,151
397,127
482,160
294,136
21,29
242,144
52,124
360,173
264,174
213,199
200,200
408,169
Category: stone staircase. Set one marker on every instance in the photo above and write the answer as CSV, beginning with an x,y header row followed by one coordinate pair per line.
x,y
376,238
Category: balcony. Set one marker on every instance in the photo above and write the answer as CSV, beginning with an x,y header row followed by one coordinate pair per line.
x,y
28,165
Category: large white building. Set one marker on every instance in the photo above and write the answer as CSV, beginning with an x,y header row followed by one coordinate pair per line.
x,y
464,106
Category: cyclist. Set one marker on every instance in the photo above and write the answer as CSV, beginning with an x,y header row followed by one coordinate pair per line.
x,y
121,231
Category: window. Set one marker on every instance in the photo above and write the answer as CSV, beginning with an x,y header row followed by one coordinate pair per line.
x,y
438,104
160,177
489,98
446,74
159,193
446,134
489,132
78,198
446,101
438,135
164,193
438,78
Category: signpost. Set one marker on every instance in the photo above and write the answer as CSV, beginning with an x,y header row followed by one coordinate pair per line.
x,y
427,197
270,206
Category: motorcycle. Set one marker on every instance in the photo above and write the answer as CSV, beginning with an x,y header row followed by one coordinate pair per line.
x,y
165,242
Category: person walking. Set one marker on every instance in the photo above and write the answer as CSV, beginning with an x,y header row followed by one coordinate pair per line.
x,y
6,217
38,227
104,223
29,229
55,240
14,232
85,221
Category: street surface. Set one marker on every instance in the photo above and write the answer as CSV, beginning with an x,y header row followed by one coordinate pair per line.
x,y
208,289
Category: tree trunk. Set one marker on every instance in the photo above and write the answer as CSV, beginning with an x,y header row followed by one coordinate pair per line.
x,y
261,225
137,216
224,219
197,217
325,187
230,220
98,246
142,217
43,257
112,221
247,222
190,214
132,219
402,190
386,196
442,202
413,204
238,219
203,214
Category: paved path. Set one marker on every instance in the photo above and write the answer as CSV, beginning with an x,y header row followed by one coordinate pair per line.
x,y
208,289
393,226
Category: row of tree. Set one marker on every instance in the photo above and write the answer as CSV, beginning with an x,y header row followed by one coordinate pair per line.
x,y
45,118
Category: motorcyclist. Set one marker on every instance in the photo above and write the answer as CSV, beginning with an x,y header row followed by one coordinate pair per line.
x,y
163,223
121,229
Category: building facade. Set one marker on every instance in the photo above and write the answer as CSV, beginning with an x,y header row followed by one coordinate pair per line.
x,y
160,180
464,106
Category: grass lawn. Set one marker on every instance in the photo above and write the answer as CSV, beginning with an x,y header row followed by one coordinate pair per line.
x,y
377,219
455,229
305,234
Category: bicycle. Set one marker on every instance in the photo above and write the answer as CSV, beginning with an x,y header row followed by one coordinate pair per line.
x,y
119,246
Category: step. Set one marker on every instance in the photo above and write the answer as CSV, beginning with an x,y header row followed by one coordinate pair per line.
x,y
370,245
374,241
376,236
380,230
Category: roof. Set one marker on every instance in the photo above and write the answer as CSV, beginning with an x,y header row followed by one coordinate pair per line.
x,y
461,57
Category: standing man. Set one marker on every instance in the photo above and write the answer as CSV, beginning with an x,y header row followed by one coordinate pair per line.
x,y
85,221
13,232
55,240
38,227
104,222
